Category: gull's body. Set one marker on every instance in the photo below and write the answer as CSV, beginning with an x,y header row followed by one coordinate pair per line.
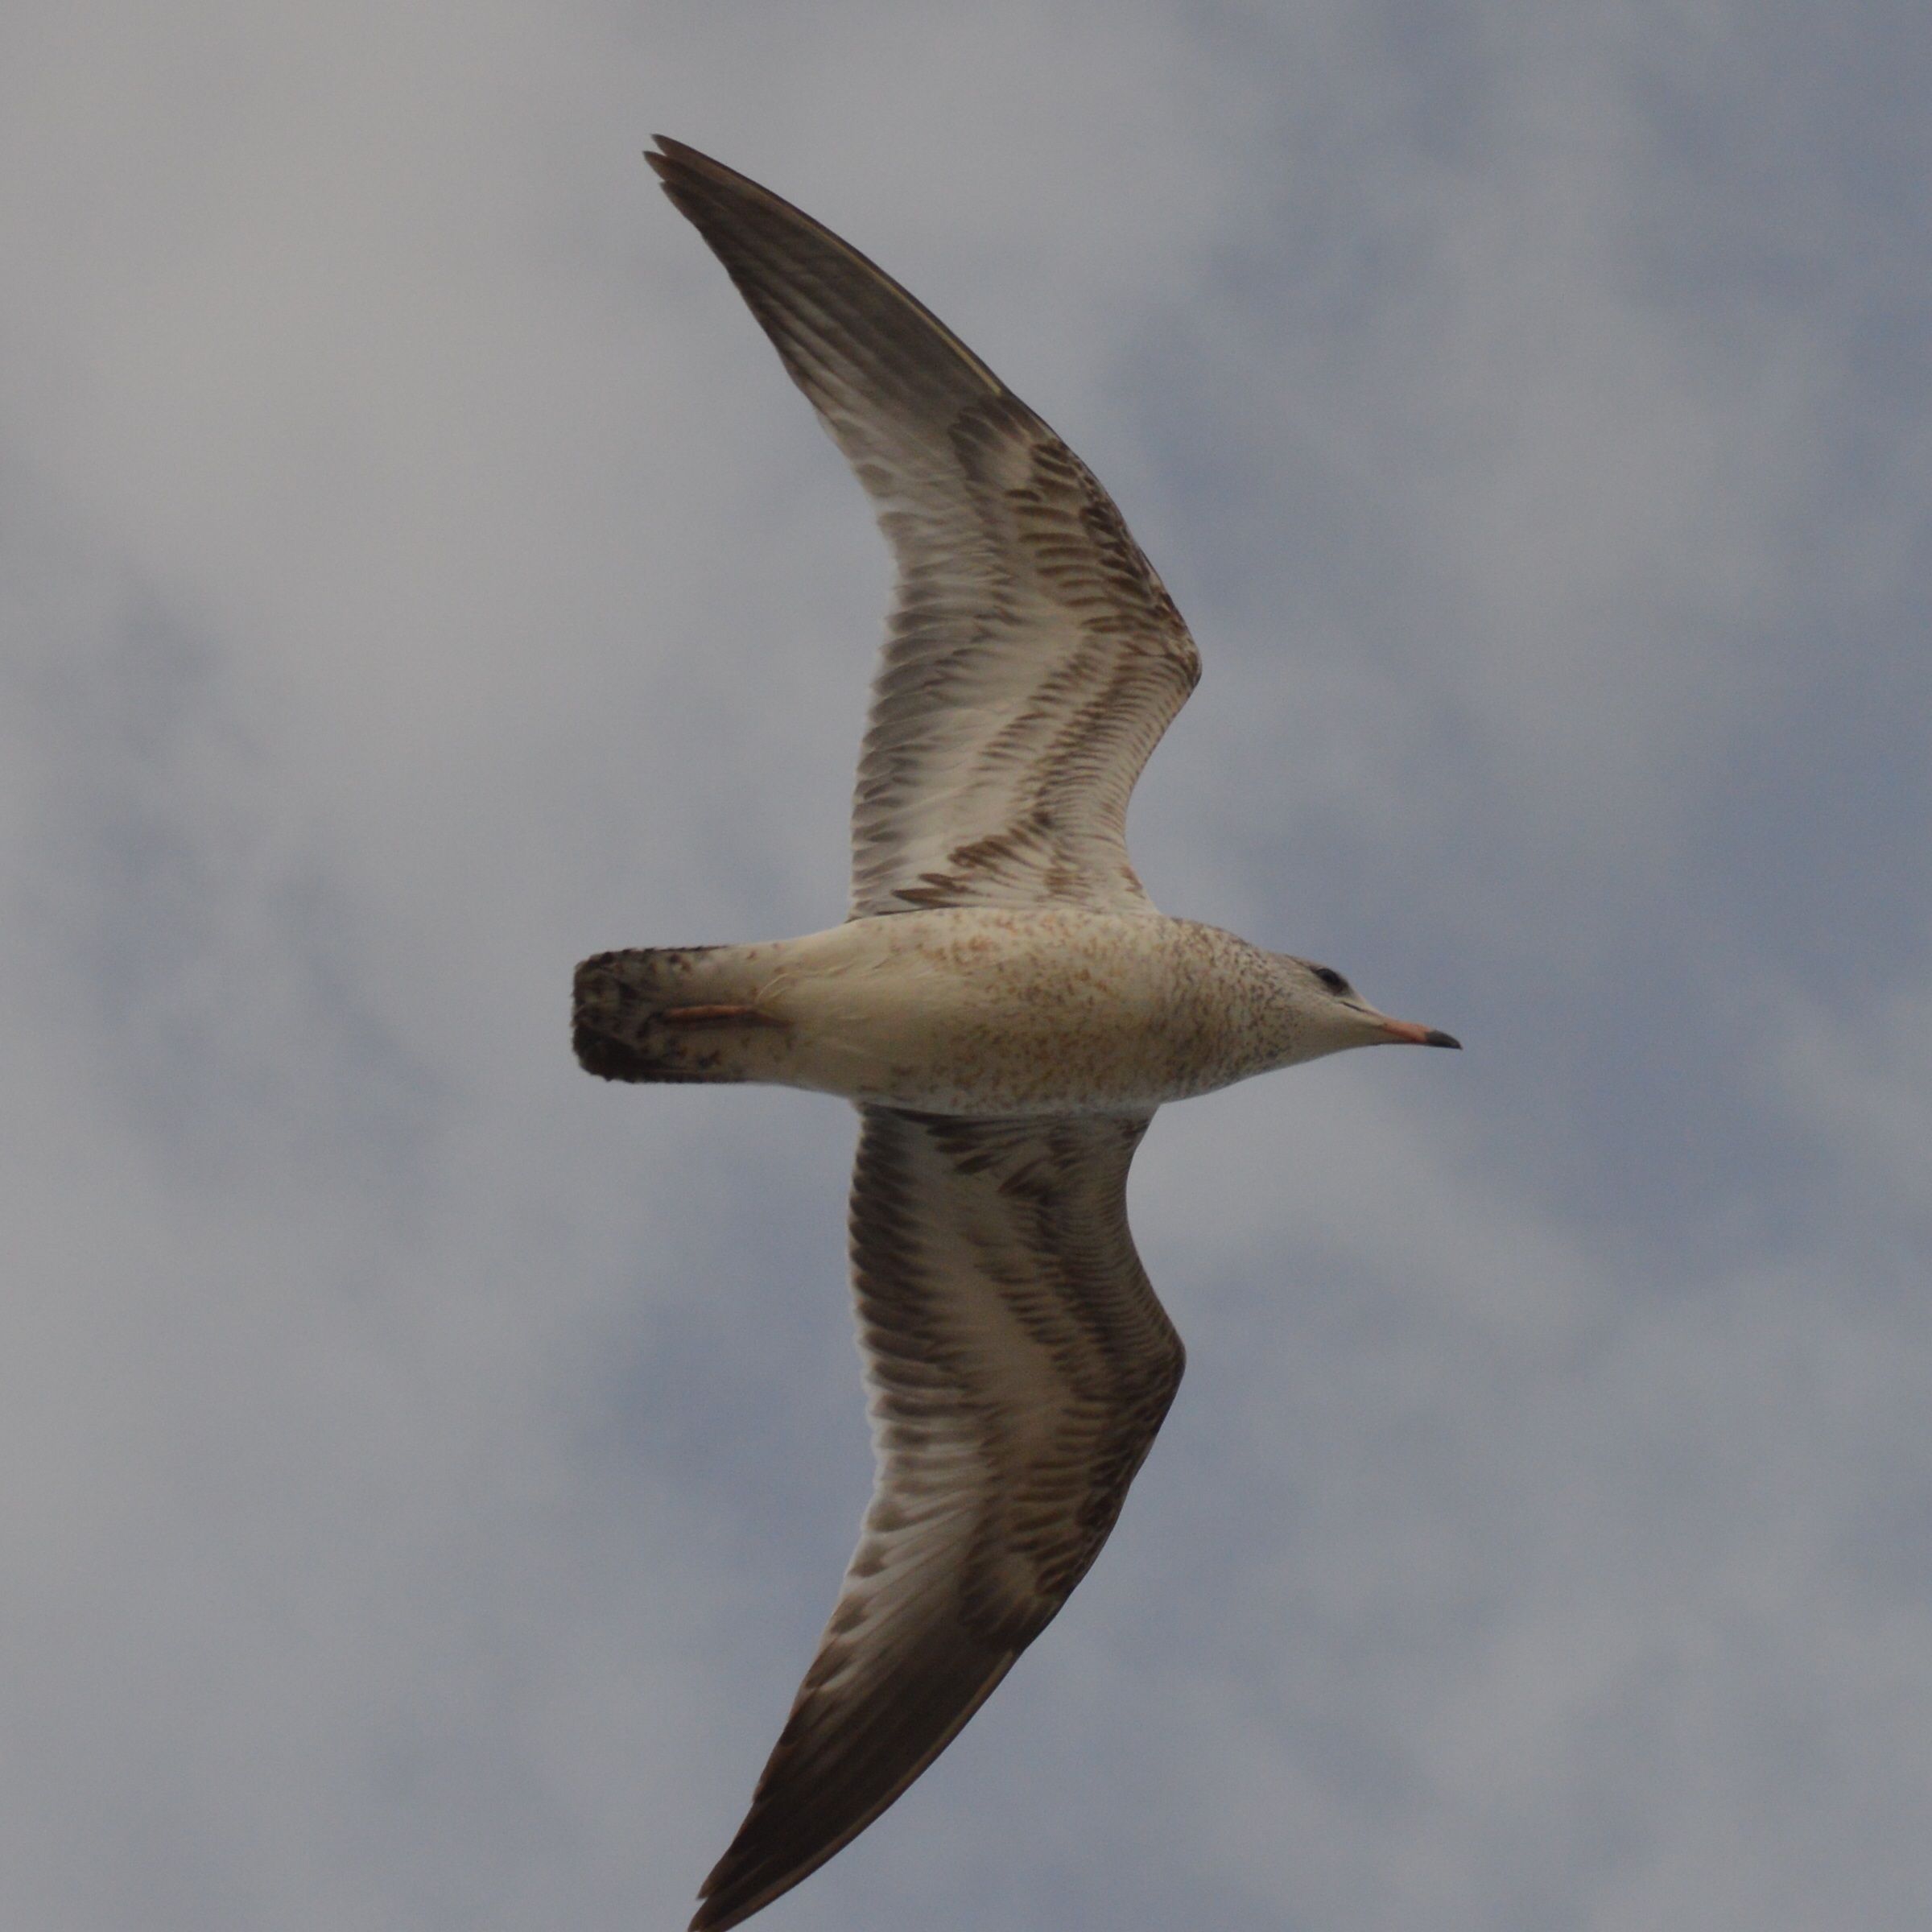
x,y
982,1010
1004,1004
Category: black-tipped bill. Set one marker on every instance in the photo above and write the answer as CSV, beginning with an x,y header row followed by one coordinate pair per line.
x,y
1407,1030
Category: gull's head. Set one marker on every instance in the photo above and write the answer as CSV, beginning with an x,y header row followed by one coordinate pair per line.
x,y
1331,1015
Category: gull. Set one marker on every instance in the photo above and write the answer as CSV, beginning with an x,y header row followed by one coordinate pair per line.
x,y
1004,1004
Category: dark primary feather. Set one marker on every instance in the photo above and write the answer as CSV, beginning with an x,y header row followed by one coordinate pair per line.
x,y
1020,1366
1033,658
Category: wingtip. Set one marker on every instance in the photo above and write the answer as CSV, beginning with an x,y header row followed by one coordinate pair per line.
x,y
670,152
670,156
722,1906
707,1920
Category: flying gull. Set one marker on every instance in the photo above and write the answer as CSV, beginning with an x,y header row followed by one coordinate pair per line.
x,y
1004,1004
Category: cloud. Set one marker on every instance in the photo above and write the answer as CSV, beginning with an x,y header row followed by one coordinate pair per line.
x,y
427,1470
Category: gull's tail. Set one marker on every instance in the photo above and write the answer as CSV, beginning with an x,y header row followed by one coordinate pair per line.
x,y
678,1013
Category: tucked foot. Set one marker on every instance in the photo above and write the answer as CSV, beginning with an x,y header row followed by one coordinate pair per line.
x,y
718,1016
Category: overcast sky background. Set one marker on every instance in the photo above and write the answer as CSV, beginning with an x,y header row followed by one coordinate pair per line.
x,y
426,1470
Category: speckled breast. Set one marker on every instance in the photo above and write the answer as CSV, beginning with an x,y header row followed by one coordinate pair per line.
x,y
993,1011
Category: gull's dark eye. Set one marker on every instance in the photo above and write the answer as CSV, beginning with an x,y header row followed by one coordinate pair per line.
x,y
1332,980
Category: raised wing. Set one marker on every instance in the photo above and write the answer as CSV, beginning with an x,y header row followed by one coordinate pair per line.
x,y
1033,658
1020,1366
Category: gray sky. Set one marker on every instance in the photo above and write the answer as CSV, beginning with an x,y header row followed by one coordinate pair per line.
x,y
426,1470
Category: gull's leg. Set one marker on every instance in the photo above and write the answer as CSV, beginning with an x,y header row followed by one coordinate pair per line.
x,y
718,1016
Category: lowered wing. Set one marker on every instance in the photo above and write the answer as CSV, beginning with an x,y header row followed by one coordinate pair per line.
x,y
1020,1366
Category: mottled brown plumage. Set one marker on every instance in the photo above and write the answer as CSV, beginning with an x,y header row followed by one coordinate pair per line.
x,y
1004,1004
1033,658
986,1511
